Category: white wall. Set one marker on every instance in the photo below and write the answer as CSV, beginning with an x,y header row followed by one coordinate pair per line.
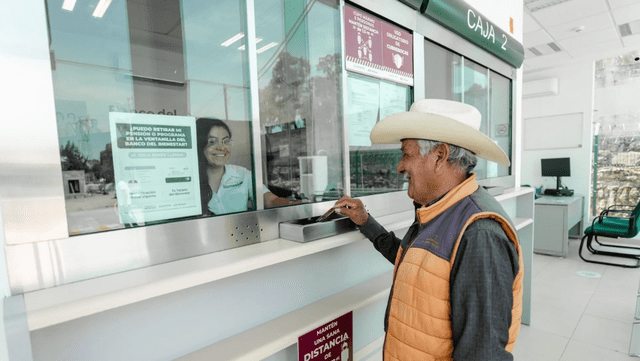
x,y
4,292
575,94
24,66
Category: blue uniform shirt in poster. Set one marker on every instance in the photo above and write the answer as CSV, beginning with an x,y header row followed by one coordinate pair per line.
x,y
234,192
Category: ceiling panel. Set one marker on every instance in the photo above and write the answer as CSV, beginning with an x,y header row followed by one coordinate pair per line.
x,y
596,51
590,39
620,3
529,24
547,61
600,38
626,14
592,23
528,54
536,38
632,42
569,11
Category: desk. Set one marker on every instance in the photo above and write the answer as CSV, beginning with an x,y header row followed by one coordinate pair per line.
x,y
554,218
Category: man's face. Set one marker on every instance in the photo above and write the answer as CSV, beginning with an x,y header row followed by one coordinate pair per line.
x,y
419,171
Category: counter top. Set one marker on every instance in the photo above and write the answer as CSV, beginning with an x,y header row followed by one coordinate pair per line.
x,y
55,305
63,303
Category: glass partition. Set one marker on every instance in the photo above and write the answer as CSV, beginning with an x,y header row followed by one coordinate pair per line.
x,y
373,166
299,70
442,73
500,113
154,113
134,83
467,81
475,90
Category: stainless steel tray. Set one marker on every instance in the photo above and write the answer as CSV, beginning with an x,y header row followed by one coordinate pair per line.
x,y
307,229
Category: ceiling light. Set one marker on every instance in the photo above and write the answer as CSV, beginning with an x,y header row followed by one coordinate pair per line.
x,y
68,5
257,41
266,47
233,39
101,8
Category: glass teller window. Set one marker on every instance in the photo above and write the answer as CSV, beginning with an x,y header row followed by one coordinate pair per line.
x,y
132,81
299,69
469,82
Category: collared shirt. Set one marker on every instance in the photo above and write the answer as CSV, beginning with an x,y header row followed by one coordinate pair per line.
x,y
235,191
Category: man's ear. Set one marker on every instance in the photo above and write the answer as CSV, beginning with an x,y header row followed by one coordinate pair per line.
x,y
441,153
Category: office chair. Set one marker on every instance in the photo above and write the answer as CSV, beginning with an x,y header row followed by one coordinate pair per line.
x,y
606,225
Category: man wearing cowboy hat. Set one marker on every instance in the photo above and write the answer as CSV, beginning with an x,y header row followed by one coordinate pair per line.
x,y
457,287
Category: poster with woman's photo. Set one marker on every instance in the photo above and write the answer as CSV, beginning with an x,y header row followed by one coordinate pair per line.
x,y
155,163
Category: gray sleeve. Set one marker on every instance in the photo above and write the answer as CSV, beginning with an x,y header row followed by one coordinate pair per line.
x,y
385,242
481,287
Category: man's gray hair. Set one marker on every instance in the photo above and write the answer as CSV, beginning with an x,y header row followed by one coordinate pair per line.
x,y
463,158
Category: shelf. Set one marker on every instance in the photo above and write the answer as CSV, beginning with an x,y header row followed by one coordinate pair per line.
x,y
520,223
55,305
265,342
514,192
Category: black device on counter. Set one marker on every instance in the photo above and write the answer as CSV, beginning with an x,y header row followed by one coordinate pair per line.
x,y
556,167
562,192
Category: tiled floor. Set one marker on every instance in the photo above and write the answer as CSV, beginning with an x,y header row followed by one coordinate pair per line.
x,y
578,318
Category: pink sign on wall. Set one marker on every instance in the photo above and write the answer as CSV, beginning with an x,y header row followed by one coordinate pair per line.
x,y
377,48
329,342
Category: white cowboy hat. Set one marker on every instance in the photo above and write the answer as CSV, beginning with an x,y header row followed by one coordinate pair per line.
x,y
440,120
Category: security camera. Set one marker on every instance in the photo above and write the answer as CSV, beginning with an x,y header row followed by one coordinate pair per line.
x,y
635,56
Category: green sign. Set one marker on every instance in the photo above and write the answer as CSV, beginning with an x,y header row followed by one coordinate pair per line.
x,y
464,20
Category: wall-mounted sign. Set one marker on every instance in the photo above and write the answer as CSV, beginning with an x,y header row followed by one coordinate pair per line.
x,y
332,341
377,48
155,165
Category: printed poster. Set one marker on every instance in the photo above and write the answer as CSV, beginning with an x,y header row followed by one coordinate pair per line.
x,y
376,48
155,162
364,102
332,341
393,99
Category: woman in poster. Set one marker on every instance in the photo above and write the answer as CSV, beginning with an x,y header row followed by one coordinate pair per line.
x,y
225,188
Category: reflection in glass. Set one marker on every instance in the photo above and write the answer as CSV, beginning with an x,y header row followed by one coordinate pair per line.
x,y
476,93
486,90
300,95
500,115
162,59
442,73
373,166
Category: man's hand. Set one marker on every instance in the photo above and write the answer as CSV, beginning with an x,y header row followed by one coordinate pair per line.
x,y
352,208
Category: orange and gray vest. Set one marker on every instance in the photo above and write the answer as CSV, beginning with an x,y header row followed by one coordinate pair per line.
x,y
419,310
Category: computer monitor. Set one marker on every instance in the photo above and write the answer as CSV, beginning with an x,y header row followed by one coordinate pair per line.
x,y
556,167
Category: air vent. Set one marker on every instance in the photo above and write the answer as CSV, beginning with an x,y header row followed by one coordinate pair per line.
x,y
545,49
625,30
536,5
630,28
554,47
535,51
